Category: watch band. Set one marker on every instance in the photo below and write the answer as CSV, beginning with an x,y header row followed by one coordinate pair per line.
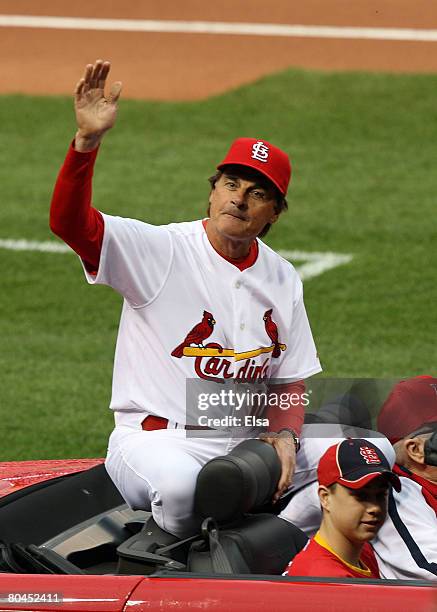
x,y
294,435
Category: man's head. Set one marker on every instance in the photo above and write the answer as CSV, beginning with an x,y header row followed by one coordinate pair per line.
x,y
410,408
354,479
250,184
409,420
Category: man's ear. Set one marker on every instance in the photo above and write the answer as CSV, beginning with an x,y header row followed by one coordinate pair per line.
x,y
274,218
324,495
415,449
210,200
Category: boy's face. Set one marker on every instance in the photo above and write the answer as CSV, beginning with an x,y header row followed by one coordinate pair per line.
x,y
357,514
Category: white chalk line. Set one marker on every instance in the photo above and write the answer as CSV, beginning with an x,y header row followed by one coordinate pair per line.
x,y
217,27
315,262
32,245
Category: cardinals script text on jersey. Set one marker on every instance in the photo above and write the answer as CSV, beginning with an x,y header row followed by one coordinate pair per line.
x,y
213,360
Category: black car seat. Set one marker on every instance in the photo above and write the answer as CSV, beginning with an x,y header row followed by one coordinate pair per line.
x,y
235,539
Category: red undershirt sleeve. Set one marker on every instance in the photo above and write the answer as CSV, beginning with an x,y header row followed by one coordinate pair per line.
x,y
72,217
286,406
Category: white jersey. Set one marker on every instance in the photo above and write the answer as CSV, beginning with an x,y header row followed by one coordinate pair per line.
x,y
406,545
182,297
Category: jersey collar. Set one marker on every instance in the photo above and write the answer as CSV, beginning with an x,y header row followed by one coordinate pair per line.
x,y
243,262
365,571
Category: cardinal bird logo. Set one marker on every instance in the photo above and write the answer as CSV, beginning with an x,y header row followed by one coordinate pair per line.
x,y
272,332
197,335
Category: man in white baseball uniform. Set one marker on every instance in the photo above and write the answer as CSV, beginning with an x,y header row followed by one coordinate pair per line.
x,y
203,301
406,545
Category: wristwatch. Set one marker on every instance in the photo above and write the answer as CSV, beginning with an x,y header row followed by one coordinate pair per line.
x,y
294,435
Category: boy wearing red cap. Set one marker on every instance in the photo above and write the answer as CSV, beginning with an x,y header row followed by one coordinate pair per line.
x,y
354,480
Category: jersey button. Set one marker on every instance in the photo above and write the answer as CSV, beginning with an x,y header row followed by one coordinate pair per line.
x,y
242,326
237,284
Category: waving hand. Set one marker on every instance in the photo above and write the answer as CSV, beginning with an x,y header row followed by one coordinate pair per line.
x,y
95,113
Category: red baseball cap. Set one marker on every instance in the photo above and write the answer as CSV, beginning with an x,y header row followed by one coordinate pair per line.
x,y
354,462
262,156
411,405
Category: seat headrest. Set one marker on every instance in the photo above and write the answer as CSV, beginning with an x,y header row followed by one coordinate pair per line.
x,y
234,484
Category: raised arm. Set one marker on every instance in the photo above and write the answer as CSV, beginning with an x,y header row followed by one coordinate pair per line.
x,y
72,217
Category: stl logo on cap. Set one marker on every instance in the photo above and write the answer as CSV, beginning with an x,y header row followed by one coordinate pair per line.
x,y
260,151
354,463
263,157
369,455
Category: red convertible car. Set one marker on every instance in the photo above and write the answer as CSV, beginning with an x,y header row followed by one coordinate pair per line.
x,y
69,542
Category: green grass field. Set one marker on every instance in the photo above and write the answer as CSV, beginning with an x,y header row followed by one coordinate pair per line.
x,y
364,182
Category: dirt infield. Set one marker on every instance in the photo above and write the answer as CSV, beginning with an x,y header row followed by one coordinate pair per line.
x,y
193,66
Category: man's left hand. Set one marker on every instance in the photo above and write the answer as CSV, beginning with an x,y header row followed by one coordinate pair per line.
x,y
283,443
